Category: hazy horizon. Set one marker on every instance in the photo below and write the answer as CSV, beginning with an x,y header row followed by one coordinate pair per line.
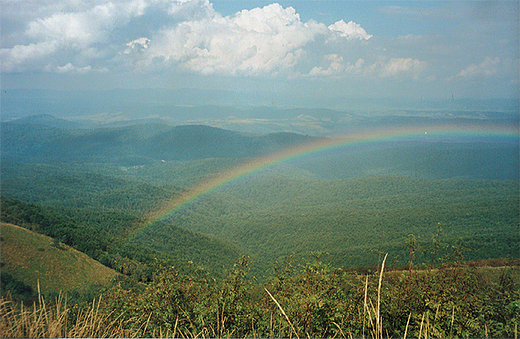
x,y
246,113
286,53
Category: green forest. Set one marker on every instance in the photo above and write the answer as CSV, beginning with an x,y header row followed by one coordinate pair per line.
x,y
418,239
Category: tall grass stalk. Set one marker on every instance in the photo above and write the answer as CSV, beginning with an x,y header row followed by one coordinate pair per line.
x,y
407,323
365,306
452,320
375,323
283,312
340,330
421,327
379,321
41,321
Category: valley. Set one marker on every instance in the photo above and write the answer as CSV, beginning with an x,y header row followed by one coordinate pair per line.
x,y
212,205
353,202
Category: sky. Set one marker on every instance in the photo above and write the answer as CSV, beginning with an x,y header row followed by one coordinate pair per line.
x,y
300,48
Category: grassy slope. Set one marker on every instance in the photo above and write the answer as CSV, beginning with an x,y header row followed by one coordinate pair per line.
x,y
31,257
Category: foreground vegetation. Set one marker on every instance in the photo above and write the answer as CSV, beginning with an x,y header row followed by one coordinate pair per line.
x,y
311,299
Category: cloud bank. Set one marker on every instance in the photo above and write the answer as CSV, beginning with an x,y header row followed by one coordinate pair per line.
x,y
182,35
445,43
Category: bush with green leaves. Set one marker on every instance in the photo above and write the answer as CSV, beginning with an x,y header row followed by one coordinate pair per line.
x,y
314,299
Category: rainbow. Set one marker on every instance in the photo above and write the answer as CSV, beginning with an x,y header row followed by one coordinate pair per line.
x,y
325,145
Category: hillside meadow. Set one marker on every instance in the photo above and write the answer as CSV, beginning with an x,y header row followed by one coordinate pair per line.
x,y
43,263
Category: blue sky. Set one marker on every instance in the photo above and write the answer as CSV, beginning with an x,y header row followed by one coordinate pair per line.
x,y
310,48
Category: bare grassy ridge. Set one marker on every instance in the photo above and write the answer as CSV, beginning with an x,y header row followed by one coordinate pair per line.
x,y
33,258
313,300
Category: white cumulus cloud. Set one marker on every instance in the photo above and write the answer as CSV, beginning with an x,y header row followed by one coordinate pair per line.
x,y
137,44
189,35
21,57
84,32
350,30
485,68
337,67
397,67
258,41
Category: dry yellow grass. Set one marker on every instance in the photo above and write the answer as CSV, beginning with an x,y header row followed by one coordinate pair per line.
x,y
42,321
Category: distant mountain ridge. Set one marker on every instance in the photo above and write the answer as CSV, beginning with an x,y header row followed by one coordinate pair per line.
x,y
153,144
75,123
51,121
254,113
134,145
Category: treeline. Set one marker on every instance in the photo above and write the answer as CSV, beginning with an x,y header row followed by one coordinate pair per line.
x,y
84,237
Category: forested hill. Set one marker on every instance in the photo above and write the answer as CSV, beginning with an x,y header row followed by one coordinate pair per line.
x,y
155,147
135,145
